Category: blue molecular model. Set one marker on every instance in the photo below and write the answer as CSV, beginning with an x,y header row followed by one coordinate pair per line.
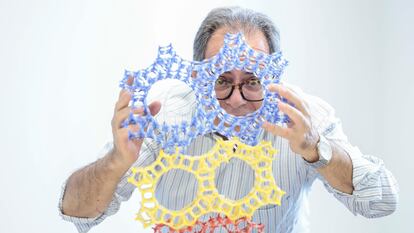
x,y
201,76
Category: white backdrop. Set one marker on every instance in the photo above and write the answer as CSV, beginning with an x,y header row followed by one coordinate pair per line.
x,y
61,61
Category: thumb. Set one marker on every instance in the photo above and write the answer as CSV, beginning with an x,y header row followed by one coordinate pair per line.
x,y
154,107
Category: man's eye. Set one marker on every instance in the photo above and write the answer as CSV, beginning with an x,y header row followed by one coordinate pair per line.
x,y
221,81
253,82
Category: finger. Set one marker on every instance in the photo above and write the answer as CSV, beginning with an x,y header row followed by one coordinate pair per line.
x,y
290,95
155,107
294,114
134,128
121,115
276,129
290,124
122,94
124,133
123,101
124,113
129,82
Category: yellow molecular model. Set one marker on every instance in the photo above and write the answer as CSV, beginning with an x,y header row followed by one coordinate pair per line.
x,y
208,200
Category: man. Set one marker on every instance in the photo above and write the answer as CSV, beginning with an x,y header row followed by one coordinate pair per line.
x,y
311,146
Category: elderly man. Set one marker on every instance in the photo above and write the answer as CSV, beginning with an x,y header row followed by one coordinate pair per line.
x,y
311,147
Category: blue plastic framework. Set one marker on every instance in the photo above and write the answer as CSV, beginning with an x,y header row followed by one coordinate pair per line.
x,y
201,77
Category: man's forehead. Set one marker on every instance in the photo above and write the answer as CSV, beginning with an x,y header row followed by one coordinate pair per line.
x,y
255,39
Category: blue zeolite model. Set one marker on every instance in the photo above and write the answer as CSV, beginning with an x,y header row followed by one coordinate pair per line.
x,y
201,77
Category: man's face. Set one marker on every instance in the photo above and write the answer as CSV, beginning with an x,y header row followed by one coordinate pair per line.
x,y
235,104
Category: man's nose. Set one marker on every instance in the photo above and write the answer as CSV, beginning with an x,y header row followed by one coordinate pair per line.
x,y
236,99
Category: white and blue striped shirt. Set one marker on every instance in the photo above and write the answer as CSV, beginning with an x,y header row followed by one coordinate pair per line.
x,y
375,189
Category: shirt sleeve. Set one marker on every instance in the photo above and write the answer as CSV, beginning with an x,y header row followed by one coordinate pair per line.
x,y
179,105
375,188
122,193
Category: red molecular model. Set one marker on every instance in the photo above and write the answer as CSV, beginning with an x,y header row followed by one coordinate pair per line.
x,y
241,225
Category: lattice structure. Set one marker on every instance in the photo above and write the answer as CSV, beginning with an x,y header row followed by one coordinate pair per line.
x,y
241,225
208,199
200,77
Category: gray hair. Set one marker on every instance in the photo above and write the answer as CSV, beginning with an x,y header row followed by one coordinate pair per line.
x,y
238,18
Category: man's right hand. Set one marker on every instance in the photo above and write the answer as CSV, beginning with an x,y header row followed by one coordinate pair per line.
x,y
126,151
90,189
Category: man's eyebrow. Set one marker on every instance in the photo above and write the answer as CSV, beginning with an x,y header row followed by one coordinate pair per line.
x,y
246,73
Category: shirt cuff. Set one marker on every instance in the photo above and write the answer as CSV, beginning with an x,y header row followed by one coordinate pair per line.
x,y
366,179
366,175
83,225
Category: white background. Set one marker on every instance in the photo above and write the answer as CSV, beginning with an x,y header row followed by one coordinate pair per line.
x,y
61,61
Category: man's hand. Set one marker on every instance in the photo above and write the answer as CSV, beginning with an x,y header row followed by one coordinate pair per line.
x,y
126,151
90,189
300,133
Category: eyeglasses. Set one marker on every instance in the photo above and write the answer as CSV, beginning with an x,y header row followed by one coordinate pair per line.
x,y
250,90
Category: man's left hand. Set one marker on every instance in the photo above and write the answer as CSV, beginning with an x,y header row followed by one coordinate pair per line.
x,y
300,133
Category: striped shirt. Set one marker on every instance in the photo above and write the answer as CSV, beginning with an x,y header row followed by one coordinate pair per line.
x,y
375,189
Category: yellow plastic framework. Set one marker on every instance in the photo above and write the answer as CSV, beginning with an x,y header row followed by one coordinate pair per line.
x,y
264,191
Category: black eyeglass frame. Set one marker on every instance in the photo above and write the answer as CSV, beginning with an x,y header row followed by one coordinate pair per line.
x,y
239,85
